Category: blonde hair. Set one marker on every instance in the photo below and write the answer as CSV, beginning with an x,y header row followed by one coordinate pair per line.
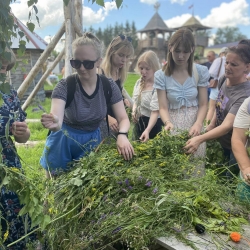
x,y
88,39
185,38
117,44
152,60
10,61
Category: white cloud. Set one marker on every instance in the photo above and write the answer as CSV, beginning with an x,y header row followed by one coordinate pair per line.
x,y
181,2
91,17
227,14
148,1
50,12
178,20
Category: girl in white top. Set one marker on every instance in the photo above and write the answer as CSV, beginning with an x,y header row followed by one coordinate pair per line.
x,y
145,109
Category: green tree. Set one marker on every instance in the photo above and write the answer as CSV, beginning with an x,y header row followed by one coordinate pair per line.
x,y
228,34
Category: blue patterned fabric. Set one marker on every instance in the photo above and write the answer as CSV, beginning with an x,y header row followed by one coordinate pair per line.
x,y
10,206
185,94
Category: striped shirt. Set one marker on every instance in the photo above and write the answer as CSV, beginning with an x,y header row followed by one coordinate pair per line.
x,y
86,112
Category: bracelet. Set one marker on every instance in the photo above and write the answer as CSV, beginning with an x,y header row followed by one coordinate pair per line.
x,y
122,133
166,122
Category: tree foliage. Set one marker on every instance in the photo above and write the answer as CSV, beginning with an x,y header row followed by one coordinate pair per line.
x,y
228,35
107,34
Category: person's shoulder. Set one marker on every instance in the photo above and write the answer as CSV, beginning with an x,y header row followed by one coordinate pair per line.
x,y
200,67
159,73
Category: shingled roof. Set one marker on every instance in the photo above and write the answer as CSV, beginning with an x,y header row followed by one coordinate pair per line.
x,y
194,23
156,23
35,41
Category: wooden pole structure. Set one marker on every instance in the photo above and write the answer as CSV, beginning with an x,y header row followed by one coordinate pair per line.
x,y
68,39
39,64
77,20
42,80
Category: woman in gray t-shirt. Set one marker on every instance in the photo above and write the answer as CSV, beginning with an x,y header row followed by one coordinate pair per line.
x,y
234,90
75,130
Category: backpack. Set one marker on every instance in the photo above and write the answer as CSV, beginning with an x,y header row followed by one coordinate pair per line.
x,y
71,88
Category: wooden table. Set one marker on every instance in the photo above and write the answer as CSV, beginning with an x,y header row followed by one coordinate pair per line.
x,y
206,242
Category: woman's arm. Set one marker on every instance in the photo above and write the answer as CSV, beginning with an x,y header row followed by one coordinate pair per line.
x,y
224,128
239,139
123,145
163,109
20,131
53,121
202,111
152,121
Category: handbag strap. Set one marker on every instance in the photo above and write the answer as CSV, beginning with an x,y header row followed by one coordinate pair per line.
x,y
219,67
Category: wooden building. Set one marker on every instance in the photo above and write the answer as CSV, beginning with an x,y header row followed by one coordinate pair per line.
x,y
199,31
153,37
34,48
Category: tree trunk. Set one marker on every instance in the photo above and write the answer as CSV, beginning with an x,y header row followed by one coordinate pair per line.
x,y
68,39
39,64
42,80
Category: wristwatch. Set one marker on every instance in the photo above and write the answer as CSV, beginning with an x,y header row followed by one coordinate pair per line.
x,y
122,133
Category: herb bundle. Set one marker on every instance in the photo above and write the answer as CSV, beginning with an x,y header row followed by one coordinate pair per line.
x,y
105,199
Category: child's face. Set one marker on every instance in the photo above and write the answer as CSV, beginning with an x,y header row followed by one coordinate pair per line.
x,y
146,72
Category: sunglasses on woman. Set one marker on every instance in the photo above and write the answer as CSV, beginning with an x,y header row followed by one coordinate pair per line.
x,y
76,64
126,37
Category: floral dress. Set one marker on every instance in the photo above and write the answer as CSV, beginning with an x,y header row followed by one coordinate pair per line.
x,y
12,225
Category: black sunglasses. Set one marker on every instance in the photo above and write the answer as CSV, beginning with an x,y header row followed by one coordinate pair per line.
x,y
126,37
76,64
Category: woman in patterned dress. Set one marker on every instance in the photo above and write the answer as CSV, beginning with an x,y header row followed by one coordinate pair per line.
x,y
182,89
12,116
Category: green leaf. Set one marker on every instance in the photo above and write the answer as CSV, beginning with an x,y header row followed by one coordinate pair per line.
x,y
5,87
31,26
30,2
100,2
45,222
37,19
21,34
76,181
118,3
35,8
66,2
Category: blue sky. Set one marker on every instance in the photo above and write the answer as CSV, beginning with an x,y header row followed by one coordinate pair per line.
x,y
213,13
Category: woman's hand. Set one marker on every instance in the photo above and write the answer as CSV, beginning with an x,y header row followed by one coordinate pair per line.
x,y
127,103
50,122
210,127
192,145
145,136
169,126
124,147
113,124
134,117
19,129
195,129
246,174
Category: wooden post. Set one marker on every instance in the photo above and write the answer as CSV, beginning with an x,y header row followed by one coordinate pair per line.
x,y
68,39
77,20
42,80
39,64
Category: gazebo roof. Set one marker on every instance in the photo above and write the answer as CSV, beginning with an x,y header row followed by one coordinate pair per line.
x,y
35,41
194,23
156,23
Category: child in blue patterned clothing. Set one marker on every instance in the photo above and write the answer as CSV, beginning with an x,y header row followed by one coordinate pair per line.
x,y
12,116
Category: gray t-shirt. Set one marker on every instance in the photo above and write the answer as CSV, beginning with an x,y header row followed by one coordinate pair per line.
x,y
229,101
86,112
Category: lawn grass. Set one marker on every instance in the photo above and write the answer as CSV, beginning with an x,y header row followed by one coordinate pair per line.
x,y
130,82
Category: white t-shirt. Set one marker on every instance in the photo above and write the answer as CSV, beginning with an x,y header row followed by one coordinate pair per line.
x,y
213,71
242,119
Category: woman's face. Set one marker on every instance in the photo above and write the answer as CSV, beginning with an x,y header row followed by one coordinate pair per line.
x,y
235,68
146,72
180,55
86,52
119,59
